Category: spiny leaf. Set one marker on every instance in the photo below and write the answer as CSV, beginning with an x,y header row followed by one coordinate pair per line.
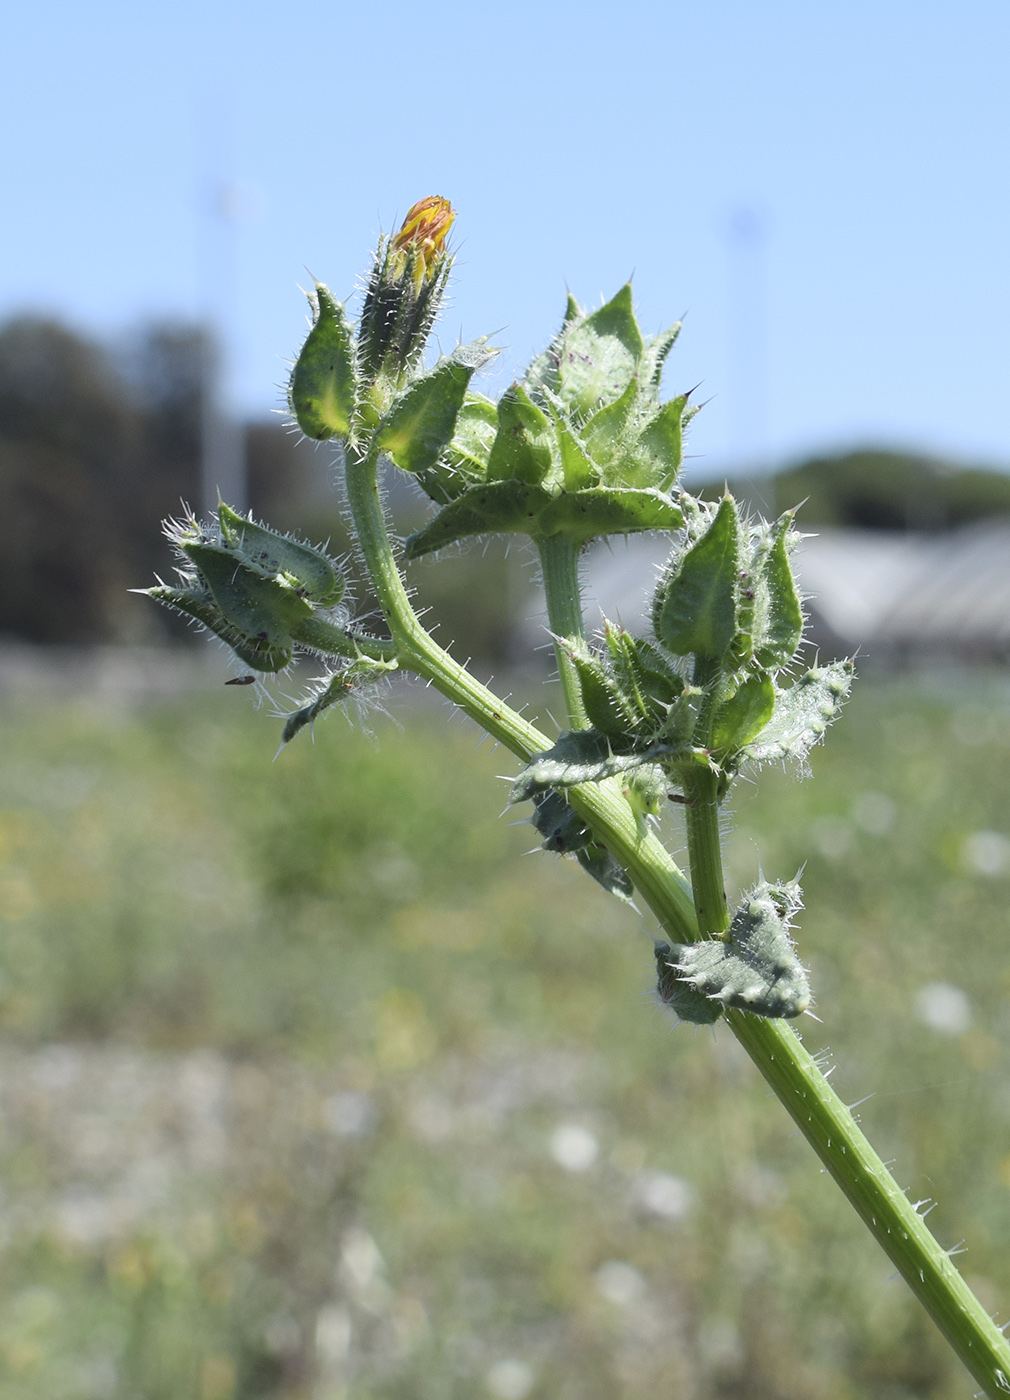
x,y
583,756
523,449
696,603
324,381
257,654
257,606
420,421
273,553
599,355
755,968
802,713
336,689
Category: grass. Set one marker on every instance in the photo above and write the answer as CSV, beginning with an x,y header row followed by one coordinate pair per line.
x,y
314,1086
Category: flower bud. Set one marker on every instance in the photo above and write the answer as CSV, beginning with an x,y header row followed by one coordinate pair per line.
x,y
404,290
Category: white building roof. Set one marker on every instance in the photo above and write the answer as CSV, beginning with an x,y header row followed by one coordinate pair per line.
x,y
867,590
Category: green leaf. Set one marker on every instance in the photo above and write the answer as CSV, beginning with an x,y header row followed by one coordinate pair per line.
x,y
542,375
464,461
257,606
561,827
334,690
317,634
324,382
523,449
583,756
695,607
607,709
513,507
646,673
578,469
608,510
257,654
498,508
682,999
661,443
599,355
605,432
778,621
802,714
755,968
476,427
420,421
743,716
271,553
657,347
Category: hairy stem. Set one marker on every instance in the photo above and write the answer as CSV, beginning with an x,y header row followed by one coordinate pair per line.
x,y
559,563
701,808
773,1046
602,806
829,1127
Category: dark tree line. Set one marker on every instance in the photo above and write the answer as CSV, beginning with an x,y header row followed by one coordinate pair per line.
x,y
99,443
97,446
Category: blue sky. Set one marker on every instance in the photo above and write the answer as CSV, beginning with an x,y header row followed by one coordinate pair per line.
x,y
822,188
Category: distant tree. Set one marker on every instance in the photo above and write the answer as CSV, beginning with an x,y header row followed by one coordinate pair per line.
x,y
98,444
878,490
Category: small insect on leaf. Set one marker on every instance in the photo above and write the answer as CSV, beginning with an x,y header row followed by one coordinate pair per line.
x,y
241,680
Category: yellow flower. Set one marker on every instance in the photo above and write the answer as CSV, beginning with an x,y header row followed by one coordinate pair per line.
x,y
421,240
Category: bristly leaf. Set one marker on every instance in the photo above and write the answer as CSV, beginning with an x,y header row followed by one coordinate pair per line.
x,y
514,507
744,715
256,653
324,387
802,714
584,756
755,968
598,356
657,347
419,423
525,444
597,861
334,690
779,615
561,827
695,607
257,606
272,553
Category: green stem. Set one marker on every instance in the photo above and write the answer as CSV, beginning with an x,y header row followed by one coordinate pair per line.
x,y
701,797
826,1122
901,1232
773,1046
704,852
559,564
601,805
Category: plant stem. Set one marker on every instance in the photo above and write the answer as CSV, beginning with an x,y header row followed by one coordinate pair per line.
x,y
701,808
901,1232
559,564
773,1046
660,882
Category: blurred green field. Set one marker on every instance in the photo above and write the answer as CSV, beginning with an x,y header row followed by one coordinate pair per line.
x,y
313,1085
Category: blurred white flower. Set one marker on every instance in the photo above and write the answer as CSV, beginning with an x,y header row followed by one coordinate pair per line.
x,y
574,1147
663,1194
986,853
943,1008
620,1283
333,1334
510,1379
